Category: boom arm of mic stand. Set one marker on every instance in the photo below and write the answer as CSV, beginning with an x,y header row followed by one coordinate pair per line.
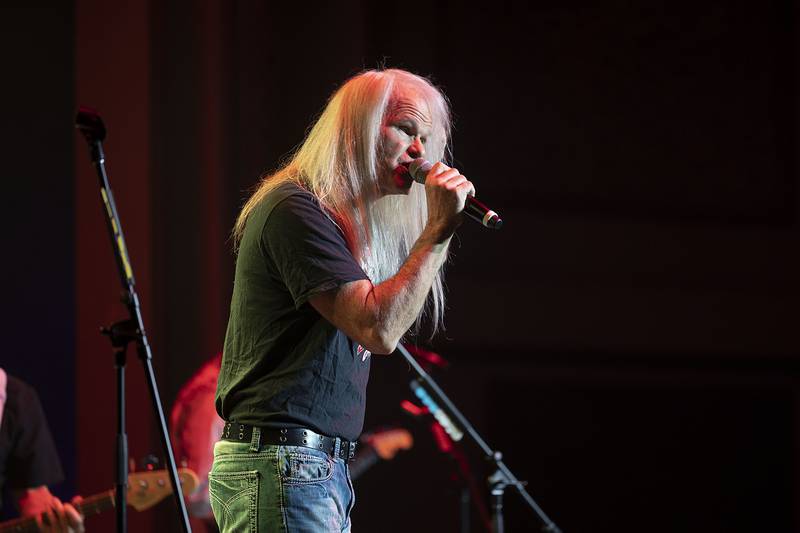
x,y
435,394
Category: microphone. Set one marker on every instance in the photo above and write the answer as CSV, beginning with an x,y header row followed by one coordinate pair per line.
x,y
474,209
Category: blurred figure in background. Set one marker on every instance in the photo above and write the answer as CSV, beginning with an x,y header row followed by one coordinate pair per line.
x,y
195,427
29,461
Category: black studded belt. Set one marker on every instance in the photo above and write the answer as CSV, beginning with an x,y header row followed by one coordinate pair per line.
x,y
236,432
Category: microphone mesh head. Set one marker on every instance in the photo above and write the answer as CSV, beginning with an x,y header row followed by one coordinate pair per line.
x,y
419,168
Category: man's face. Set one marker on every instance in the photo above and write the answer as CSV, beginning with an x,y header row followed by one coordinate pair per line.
x,y
406,130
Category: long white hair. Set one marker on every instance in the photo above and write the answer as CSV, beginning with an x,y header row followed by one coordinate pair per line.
x,y
338,163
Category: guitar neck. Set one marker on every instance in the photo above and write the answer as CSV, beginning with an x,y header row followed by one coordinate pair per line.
x,y
145,489
93,505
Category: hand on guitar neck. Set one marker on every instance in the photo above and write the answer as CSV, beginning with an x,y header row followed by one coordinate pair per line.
x,y
49,513
145,489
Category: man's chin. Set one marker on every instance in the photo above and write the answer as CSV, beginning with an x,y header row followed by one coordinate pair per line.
x,y
403,187
403,181
400,183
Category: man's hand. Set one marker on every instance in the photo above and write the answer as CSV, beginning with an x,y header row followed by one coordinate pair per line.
x,y
446,190
52,515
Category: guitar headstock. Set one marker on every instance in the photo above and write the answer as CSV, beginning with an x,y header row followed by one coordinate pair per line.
x,y
145,489
387,443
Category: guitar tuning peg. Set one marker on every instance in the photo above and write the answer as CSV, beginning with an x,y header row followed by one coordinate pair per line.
x,y
150,462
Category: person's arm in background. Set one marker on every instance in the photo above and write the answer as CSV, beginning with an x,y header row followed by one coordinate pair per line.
x,y
3,382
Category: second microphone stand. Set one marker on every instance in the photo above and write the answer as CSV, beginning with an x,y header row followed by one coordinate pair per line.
x,y
456,424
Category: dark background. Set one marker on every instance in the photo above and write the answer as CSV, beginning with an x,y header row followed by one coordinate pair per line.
x,y
628,340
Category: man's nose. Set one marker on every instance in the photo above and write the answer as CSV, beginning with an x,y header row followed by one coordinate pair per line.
x,y
417,149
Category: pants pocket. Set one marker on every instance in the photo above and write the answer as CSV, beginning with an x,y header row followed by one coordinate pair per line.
x,y
234,500
302,468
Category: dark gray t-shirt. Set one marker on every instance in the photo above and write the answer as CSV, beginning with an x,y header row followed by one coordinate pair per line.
x,y
28,456
284,365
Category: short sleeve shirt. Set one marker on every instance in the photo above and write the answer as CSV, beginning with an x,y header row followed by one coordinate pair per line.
x,y
28,456
284,365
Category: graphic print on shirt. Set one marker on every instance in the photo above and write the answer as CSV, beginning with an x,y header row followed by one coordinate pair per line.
x,y
363,352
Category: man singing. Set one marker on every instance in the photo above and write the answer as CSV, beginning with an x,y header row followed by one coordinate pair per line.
x,y
338,253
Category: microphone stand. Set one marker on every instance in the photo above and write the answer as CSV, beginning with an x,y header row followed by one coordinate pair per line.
x,y
455,424
122,333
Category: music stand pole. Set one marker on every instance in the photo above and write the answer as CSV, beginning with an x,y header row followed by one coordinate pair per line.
x,y
131,330
456,424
